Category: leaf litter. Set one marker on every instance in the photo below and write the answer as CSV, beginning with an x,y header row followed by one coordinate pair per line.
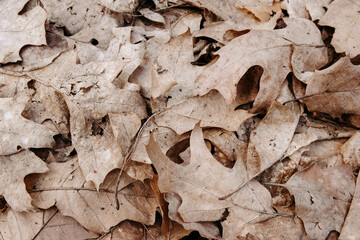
x,y
179,119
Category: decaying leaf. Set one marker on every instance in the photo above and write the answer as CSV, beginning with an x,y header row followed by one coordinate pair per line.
x,y
311,9
349,229
17,30
18,132
327,94
351,151
13,170
260,48
46,224
66,188
343,16
322,198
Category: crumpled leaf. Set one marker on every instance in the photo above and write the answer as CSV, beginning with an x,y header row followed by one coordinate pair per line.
x,y
66,188
211,110
85,21
12,172
98,151
322,198
343,16
46,224
120,6
18,132
350,228
151,15
17,30
325,93
261,48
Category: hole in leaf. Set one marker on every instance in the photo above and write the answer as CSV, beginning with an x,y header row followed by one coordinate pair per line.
x,y
94,42
174,152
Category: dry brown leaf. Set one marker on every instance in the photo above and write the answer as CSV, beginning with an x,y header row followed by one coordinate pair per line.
x,y
310,9
18,132
66,188
211,110
351,151
46,224
261,48
199,191
17,30
277,228
350,229
126,6
151,15
173,66
85,21
343,16
272,137
322,198
13,170
98,150
325,93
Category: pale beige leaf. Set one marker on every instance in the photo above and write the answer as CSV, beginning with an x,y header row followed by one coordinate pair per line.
x,y
174,65
255,206
17,30
85,21
277,228
343,15
350,229
66,188
13,170
120,6
261,9
211,110
191,21
311,9
351,151
18,132
151,15
206,229
322,198
46,224
259,48
197,183
80,85
325,93
272,137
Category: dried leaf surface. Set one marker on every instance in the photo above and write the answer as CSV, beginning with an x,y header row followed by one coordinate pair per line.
x,y
46,224
13,170
17,30
66,188
18,132
322,198
258,48
343,16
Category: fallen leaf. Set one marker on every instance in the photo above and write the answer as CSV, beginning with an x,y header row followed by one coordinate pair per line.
x,y
260,48
66,188
46,224
18,132
151,15
351,152
349,229
13,170
211,110
17,30
325,93
310,9
343,16
322,198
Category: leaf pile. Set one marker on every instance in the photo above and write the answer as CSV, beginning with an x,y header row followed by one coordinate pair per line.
x,y
179,119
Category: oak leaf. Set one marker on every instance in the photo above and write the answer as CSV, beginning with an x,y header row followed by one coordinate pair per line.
x,y
322,197
17,30
262,48
66,188
343,16
13,170
18,132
